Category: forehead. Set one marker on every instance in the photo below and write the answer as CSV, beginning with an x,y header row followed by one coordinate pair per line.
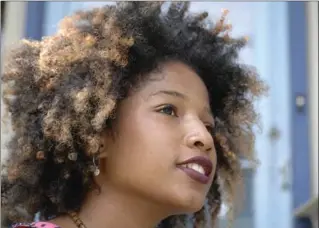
x,y
180,77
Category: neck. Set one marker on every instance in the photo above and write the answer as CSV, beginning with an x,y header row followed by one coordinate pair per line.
x,y
111,208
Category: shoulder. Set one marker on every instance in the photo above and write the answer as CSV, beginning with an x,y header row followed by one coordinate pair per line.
x,y
36,225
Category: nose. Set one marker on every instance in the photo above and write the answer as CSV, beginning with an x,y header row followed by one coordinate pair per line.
x,y
199,137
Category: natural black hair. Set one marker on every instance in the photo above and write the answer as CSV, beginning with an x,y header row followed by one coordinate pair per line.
x,y
61,93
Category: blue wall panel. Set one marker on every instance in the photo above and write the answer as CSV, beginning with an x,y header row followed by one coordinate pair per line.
x,y
298,71
34,20
300,145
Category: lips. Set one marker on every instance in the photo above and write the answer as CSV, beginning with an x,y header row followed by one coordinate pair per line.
x,y
198,168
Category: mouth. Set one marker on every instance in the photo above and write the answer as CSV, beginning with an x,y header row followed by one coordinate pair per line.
x,y
198,168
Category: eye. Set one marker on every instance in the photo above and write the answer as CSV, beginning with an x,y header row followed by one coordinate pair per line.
x,y
168,110
211,129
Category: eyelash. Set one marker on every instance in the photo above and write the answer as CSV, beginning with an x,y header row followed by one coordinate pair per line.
x,y
172,107
210,128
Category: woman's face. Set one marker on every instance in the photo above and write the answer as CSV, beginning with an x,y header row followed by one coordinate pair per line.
x,y
164,124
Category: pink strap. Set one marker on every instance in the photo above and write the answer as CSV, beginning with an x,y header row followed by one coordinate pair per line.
x,y
36,225
45,225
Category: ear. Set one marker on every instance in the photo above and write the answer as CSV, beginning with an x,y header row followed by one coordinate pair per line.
x,y
102,147
105,145
103,155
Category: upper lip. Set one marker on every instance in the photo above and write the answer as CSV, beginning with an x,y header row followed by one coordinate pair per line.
x,y
205,162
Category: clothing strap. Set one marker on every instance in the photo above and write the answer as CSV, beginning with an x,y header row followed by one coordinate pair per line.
x,y
36,225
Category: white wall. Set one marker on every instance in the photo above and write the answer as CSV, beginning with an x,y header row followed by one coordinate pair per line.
x,y
315,222
13,31
312,17
14,23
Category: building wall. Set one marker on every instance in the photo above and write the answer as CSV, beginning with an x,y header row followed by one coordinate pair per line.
x,y
300,112
13,29
273,194
12,32
312,20
315,221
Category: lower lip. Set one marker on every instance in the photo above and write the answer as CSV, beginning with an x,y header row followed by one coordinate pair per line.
x,y
201,178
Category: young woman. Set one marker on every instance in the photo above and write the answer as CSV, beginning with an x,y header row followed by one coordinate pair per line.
x,y
128,117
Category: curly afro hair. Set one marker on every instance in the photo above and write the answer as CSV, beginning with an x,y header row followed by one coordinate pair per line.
x,y
62,91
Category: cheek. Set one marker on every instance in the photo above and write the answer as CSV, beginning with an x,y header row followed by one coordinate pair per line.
x,y
144,150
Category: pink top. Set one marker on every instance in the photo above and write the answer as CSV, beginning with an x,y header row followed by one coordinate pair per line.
x,y
36,225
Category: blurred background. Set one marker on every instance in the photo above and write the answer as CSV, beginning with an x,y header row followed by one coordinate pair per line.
x,y
282,191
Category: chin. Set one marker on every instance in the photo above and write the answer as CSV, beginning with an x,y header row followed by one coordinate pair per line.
x,y
189,202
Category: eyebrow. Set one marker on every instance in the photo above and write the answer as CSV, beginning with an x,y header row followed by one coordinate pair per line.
x,y
170,93
180,95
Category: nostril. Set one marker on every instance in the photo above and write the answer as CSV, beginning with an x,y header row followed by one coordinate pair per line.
x,y
199,144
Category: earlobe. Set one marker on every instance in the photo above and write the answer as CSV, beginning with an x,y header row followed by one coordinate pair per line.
x,y
101,158
102,155
102,151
